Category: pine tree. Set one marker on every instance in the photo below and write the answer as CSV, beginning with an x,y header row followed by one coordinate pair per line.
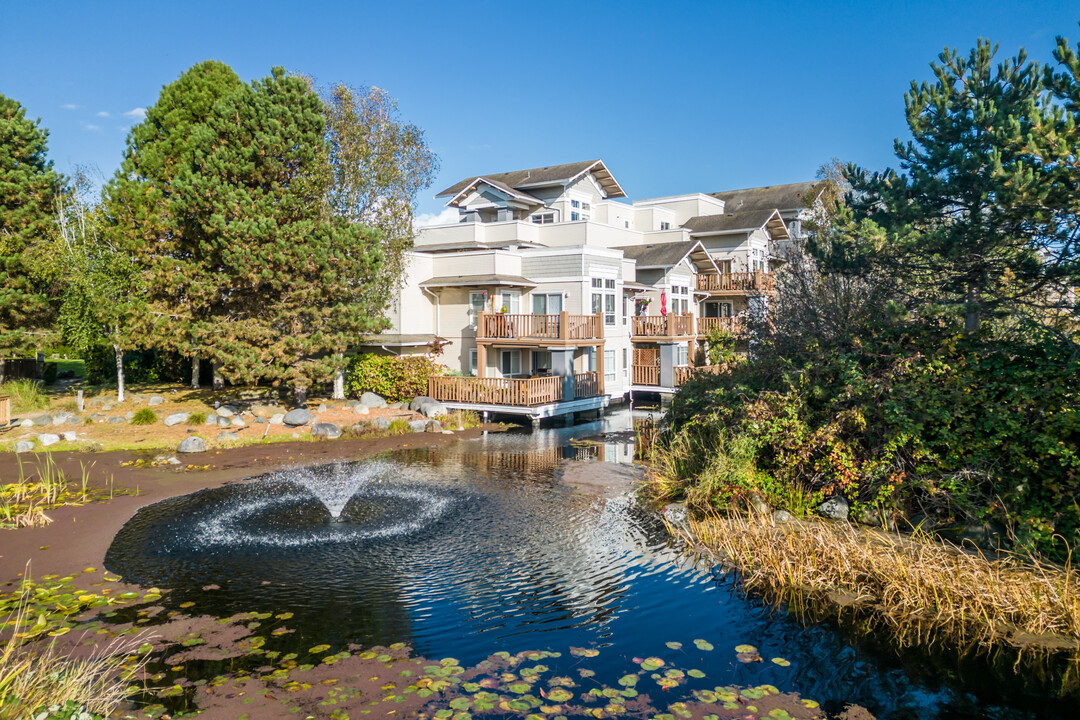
x,y
28,187
978,221
142,203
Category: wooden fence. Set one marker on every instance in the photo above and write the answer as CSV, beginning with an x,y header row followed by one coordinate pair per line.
x,y
731,325
20,369
564,326
663,325
496,391
586,385
750,282
646,374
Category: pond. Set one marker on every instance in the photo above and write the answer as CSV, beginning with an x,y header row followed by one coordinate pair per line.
x,y
525,541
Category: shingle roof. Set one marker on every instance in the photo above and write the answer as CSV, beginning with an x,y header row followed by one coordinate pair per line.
x,y
738,222
498,185
541,176
664,255
792,196
399,339
473,280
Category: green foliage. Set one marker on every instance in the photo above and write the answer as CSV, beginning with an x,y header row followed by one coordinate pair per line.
x,y
50,372
722,346
394,377
145,416
139,366
25,395
28,185
196,418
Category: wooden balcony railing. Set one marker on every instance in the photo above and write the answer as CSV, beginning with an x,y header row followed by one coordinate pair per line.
x,y
564,326
586,385
5,411
669,325
646,374
748,282
732,325
682,374
496,391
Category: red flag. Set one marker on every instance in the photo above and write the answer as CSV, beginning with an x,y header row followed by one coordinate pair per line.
x,y
663,302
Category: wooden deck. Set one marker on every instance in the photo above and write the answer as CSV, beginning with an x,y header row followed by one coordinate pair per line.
x,y
730,325
560,329
744,283
646,328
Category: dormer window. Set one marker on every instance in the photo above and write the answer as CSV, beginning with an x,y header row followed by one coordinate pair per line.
x,y
575,204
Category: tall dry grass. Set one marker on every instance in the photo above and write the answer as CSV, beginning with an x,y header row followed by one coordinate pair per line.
x,y
914,584
38,678
25,395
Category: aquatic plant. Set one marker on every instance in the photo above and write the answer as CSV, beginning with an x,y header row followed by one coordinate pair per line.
x,y
23,503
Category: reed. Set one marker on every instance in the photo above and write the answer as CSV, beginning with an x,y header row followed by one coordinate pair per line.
x,y
912,583
23,503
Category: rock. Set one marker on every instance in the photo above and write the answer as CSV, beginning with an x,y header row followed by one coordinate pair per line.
x,y
322,408
211,419
360,409
267,411
433,409
297,417
173,461
223,422
372,400
177,418
260,421
47,439
835,508
397,406
675,513
116,420
129,414
107,407
225,411
418,402
325,430
782,516
227,436
154,400
43,420
417,426
238,422
382,423
24,446
352,403
70,436
277,419
96,417
757,503
61,418
434,426
27,423
191,444
74,420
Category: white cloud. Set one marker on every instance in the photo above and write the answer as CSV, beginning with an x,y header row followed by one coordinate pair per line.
x,y
70,106
446,217
91,128
138,113
103,113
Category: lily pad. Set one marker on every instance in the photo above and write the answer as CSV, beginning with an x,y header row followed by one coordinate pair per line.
x,y
703,645
781,662
745,649
695,673
674,645
651,663
318,649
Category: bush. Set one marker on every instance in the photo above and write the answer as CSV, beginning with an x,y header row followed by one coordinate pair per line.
x,y
145,416
196,418
394,377
25,395
49,375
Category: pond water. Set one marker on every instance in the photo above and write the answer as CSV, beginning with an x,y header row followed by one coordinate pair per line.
x,y
504,544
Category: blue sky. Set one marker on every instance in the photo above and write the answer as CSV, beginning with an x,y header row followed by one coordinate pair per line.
x,y
675,96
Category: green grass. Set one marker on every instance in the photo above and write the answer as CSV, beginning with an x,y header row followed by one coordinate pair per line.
x,y
145,416
196,418
76,366
25,395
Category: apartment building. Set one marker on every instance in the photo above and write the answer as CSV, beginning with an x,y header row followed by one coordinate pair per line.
x,y
555,294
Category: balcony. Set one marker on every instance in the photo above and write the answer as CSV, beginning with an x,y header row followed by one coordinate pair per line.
x,y
744,283
561,329
524,392
730,325
649,375
648,328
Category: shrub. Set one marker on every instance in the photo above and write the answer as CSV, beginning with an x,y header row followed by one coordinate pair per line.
x,y
145,416
25,395
394,377
196,418
49,375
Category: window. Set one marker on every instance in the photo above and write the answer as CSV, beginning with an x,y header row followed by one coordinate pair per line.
x,y
590,353
609,366
609,308
609,283
625,310
682,354
575,204
586,206
472,362
584,216
725,266
543,218
603,298
547,303
510,360
717,309
541,361
511,300
476,306
625,365
598,282
575,216
665,225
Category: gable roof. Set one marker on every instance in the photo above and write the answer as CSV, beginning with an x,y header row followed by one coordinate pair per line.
x,y
545,176
738,222
500,186
665,255
793,196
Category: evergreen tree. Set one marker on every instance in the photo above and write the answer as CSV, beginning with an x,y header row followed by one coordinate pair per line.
x,y
980,220
28,186
142,201
277,284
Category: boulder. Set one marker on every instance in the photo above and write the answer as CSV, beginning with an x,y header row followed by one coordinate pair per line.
x,y
782,516
434,426
154,400
398,406
260,421
43,420
361,409
417,425
129,414
107,407
177,418
325,430
321,409
70,436
211,419
835,508
173,461
372,400
96,417
27,423
418,402
116,420
675,513
191,444
61,417
24,446
381,423
47,439
296,417
277,419
225,411
227,436
433,409
74,420
238,422
223,422
267,411
757,503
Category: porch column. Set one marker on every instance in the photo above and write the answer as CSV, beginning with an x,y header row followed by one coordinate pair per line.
x,y
599,350
667,364
481,358
562,365
564,326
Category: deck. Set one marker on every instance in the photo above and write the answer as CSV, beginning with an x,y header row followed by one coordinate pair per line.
x,y
547,330
734,284
533,397
653,328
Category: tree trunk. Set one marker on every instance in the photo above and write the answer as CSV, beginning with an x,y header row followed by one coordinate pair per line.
x,y
300,394
219,382
119,373
339,381
3,369
194,372
971,319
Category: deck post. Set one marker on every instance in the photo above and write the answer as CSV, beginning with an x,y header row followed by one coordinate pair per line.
x,y
599,350
480,325
564,325
481,358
